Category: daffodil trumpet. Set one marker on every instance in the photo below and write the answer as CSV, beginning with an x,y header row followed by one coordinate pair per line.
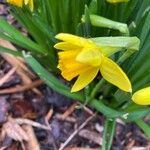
x,y
20,3
84,58
142,97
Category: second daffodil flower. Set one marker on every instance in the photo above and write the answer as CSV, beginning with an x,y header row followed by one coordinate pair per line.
x,y
83,58
20,3
142,97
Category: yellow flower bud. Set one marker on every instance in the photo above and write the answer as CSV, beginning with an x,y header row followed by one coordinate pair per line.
x,y
142,97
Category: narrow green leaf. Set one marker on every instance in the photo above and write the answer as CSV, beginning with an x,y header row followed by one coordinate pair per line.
x,y
145,127
9,51
108,133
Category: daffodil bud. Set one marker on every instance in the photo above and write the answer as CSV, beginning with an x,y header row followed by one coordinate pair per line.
x,y
142,97
99,21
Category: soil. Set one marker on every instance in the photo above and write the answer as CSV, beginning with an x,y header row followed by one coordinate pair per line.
x,y
50,109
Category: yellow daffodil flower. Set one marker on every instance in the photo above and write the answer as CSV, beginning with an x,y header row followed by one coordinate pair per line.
x,y
20,3
142,97
82,57
116,1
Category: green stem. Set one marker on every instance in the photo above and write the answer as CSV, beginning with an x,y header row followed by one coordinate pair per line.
x,y
109,130
98,86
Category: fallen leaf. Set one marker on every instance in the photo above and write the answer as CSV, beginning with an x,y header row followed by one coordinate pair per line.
x,y
14,130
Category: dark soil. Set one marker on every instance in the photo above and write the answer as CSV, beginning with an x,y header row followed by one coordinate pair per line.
x,y
35,107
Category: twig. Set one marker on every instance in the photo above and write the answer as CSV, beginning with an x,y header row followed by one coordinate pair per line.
x,y
69,119
48,116
68,111
7,76
75,132
21,88
32,123
22,70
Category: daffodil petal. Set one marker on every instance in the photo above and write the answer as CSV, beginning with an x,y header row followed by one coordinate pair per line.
x,y
16,2
142,97
26,2
115,75
89,56
66,46
84,79
75,40
31,5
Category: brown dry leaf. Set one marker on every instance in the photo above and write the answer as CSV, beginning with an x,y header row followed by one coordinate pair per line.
x,y
69,111
22,70
92,136
14,61
32,143
14,130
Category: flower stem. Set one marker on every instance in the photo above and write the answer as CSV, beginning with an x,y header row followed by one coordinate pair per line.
x,y
97,87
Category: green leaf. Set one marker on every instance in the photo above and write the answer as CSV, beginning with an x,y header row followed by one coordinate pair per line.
x,y
9,51
8,32
108,133
145,127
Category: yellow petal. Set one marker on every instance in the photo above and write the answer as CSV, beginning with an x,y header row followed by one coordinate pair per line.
x,y
66,46
142,97
89,56
84,79
26,2
18,3
31,5
75,40
115,75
